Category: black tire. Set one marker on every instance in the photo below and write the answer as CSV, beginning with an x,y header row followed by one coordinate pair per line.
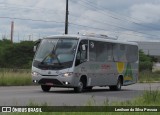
x,y
116,87
88,88
80,87
45,88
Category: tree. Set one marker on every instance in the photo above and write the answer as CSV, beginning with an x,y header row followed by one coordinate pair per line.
x,y
16,55
145,62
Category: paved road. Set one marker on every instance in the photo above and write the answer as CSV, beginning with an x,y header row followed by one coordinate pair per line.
x,y
24,95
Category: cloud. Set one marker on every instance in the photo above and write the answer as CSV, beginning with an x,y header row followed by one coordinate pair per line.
x,y
149,13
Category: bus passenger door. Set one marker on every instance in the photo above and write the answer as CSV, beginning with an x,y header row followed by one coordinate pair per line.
x,y
81,60
82,53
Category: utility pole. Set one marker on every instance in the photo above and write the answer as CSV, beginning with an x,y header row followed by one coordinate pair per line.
x,y
29,39
66,20
12,30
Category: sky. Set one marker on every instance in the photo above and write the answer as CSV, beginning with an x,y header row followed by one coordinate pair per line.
x,y
131,20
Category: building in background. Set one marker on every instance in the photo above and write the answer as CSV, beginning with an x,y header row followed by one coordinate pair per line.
x,y
150,48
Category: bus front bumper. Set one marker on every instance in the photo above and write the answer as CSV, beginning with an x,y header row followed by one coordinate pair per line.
x,y
54,81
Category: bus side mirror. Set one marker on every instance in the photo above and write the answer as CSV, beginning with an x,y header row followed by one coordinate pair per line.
x,y
84,47
34,48
36,45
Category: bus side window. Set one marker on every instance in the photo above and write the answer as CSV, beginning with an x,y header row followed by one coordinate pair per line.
x,y
115,52
82,52
109,52
131,53
92,51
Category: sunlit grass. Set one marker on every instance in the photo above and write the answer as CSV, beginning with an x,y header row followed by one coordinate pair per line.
x,y
15,77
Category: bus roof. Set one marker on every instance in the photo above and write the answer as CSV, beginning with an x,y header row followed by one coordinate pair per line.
x,y
96,38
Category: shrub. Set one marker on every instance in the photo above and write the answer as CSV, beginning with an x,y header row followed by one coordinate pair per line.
x,y
145,62
16,55
145,66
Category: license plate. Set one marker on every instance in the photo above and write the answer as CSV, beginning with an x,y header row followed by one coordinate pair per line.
x,y
49,83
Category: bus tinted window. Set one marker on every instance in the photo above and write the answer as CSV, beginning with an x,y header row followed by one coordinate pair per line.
x,y
104,51
125,53
115,52
132,53
100,51
92,51
109,52
122,53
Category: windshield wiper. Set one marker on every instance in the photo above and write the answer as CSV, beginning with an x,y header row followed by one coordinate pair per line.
x,y
44,65
52,53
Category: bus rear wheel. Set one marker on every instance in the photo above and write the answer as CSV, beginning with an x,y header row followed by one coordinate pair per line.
x,y
116,87
45,88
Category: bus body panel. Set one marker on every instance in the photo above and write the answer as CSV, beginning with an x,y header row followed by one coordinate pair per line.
x,y
106,74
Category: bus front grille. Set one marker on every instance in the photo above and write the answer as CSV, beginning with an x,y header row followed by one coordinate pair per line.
x,y
53,81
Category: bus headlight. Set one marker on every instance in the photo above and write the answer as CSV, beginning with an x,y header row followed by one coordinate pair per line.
x,y
68,74
35,74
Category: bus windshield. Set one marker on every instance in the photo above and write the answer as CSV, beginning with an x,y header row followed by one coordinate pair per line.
x,y
54,52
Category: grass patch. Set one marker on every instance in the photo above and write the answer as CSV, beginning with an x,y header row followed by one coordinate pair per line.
x,y
149,98
147,76
13,77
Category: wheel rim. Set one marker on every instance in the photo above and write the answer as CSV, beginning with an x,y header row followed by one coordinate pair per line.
x,y
119,84
80,86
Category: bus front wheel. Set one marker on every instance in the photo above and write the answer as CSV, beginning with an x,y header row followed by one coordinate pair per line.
x,y
45,88
88,88
80,87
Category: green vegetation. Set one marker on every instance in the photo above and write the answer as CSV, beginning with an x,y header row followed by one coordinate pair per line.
x,y
145,62
149,98
14,77
147,76
16,55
